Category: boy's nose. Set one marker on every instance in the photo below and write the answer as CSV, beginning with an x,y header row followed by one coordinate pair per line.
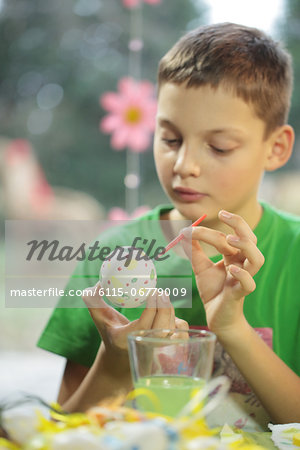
x,y
187,163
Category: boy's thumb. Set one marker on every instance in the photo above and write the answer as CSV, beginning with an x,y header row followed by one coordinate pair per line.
x,y
187,242
101,313
92,298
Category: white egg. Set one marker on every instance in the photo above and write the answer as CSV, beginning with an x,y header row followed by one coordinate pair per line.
x,y
77,439
143,435
20,424
127,277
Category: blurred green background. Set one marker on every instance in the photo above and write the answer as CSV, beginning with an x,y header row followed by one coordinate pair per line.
x,y
82,48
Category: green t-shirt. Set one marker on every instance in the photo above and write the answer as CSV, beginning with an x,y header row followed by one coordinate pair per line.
x,y
274,304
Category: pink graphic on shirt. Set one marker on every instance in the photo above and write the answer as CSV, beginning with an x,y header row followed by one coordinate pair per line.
x,y
223,365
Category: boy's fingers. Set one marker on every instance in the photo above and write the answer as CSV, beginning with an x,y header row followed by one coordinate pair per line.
x,y
103,315
165,315
214,238
163,301
239,225
159,313
187,241
144,322
246,283
92,297
151,300
181,327
147,317
255,258
181,324
196,255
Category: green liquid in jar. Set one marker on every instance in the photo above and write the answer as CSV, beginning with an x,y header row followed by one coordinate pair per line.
x,y
171,393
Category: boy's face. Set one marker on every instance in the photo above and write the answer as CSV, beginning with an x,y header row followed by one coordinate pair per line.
x,y
209,151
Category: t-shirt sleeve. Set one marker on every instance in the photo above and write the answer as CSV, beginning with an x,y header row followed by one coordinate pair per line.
x,y
289,322
70,331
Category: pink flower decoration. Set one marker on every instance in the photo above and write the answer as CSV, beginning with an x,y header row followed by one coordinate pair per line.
x,y
131,118
134,3
121,214
26,178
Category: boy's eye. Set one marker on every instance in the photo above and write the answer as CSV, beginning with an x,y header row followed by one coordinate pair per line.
x,y
172,142
218,150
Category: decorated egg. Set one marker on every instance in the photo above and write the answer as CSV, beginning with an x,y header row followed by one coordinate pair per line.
x,y
127,277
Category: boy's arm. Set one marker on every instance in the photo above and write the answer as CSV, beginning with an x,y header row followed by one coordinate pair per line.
x,y
106,378
223,287
274,383
73,376
110,373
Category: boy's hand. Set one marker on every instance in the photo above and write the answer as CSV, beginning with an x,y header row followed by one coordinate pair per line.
x,y
110,375
114,327
223,285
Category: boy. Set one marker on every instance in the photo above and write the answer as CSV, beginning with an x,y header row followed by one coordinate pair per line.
x,y
223,100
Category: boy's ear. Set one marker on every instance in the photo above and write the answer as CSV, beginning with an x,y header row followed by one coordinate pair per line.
x,y
281,147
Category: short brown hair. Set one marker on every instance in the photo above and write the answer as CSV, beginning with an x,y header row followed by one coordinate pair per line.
x,y
245,60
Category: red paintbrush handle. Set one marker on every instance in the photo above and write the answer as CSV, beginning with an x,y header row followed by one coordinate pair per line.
x,y
180,236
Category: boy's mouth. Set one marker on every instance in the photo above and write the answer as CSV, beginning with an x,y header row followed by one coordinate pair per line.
x,y
187,194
